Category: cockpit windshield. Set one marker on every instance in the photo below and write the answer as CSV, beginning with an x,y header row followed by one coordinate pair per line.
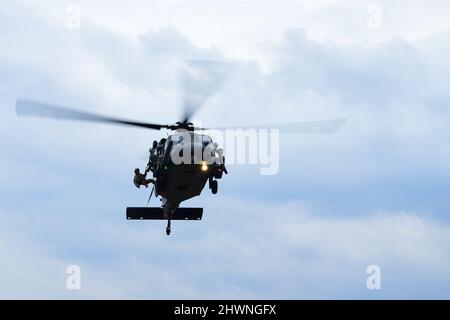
x,y
177,138
206,140
190,137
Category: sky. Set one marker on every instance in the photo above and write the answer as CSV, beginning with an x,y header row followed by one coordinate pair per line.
x,y
373,193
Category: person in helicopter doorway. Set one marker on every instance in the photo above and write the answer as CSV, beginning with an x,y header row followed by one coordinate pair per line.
x,y
140,179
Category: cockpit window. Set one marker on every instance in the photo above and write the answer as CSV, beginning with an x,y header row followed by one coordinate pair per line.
x,y
194,138
176,138
206,140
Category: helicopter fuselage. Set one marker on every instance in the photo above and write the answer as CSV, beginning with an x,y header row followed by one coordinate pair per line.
x,y
182,165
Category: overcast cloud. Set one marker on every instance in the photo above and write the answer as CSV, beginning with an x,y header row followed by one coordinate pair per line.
x,y
376,192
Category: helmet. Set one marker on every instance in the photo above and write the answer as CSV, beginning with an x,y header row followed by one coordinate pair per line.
x,y
136,171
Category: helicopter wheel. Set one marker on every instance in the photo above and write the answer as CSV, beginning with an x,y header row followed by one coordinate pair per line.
x,y
168,229
214,186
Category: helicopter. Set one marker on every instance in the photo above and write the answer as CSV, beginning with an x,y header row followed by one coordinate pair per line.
x,y
203,161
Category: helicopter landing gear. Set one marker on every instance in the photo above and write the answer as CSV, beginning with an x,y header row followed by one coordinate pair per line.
x,y
214,186
168,229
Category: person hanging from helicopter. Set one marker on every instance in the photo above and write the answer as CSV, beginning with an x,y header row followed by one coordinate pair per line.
x,y
220,157
140,179
155,151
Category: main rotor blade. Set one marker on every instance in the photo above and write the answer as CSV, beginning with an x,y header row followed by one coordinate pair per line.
x,y
38,109
304,127
200,79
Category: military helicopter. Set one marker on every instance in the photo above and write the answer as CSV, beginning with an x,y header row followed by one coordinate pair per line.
x,y
173,181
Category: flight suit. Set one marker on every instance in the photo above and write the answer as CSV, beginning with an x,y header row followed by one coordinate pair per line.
x,y
141,180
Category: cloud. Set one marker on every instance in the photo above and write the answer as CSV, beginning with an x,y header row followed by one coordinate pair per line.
x,y
375,193
270,252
